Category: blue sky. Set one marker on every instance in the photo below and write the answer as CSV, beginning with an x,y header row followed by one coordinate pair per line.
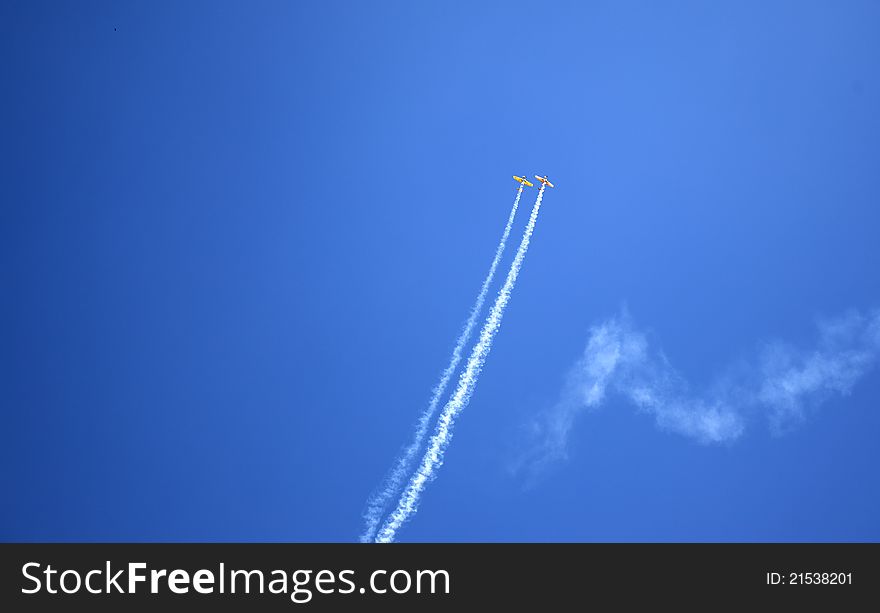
x,y
241,241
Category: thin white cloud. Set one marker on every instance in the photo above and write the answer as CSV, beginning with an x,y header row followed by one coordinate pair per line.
x,y
793,381
785,383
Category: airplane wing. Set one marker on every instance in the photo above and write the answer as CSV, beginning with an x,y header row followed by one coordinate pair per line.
x,y
527,183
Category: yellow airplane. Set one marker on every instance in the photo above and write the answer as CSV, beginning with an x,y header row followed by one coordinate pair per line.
x,y
522,180
544,180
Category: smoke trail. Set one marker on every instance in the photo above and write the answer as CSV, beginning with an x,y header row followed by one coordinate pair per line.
x,y
433,458
393,481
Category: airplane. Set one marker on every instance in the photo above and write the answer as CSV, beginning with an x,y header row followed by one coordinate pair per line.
x,y
522,180
544,180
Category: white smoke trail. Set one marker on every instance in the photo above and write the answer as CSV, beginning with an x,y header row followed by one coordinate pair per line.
x,y
393,481
433,458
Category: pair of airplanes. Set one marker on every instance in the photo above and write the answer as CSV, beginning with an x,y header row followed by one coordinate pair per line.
x,y
525,181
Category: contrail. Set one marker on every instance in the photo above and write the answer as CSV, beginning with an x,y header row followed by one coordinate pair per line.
x,y
393,482
433,458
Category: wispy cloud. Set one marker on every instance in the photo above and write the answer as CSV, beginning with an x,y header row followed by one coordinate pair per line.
x,y
794,380
785,382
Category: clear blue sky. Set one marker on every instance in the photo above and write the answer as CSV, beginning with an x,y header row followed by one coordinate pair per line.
x,y
240,239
